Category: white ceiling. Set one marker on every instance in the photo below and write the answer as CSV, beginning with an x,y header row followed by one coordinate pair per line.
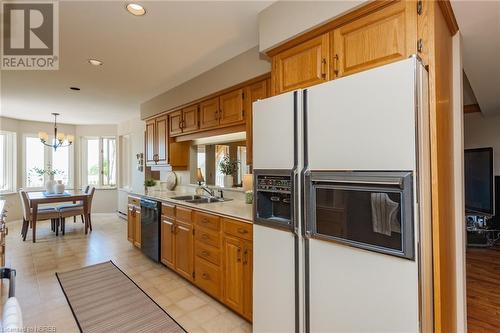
x,y
479,23
143,57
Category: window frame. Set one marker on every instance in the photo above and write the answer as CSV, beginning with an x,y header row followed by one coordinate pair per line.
x,y
47,159
84,161
10,154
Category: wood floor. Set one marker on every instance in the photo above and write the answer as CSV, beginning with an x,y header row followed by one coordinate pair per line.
x,y
483,290
43,302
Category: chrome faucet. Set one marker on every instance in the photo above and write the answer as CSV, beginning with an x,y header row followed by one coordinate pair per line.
x,y
208,190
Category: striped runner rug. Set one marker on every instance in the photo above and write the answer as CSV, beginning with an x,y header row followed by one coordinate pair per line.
x,y
104,299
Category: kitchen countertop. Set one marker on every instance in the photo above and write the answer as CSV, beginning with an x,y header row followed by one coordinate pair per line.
x,y
236,208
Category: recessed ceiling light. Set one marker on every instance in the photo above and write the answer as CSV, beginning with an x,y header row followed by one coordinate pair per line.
x,y
74,88
95,62
136,9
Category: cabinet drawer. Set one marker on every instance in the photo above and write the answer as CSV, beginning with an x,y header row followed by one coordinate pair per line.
x,y
207,221
207,252
238,229
134,201
207,237
183,215
207,277
168,211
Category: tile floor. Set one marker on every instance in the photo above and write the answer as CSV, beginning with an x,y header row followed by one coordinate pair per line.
x,y
43,302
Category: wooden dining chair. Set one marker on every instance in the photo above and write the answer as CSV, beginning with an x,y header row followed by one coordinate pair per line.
x,y
75,204
43,213
75,210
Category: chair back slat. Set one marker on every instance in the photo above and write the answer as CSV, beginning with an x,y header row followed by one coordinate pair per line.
x,y
25,204
91,198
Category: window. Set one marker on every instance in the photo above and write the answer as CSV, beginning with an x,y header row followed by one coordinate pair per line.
x,y
99,161
38,157
7,161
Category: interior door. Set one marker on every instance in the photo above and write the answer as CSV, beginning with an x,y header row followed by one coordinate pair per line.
x,y
209,113
231,107
190,119
162,140
233,273
167,241
175,122
150,142
184,250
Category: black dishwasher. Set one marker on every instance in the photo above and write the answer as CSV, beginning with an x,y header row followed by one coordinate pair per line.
x,y
150,228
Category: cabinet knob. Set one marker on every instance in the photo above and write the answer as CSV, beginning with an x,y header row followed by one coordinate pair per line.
x,y
205,276
336,64
205,253
238,257
242,231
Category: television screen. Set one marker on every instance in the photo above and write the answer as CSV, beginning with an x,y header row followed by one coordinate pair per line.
x,y
479,190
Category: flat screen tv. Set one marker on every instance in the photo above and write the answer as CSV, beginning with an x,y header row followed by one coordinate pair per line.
x,y
479,189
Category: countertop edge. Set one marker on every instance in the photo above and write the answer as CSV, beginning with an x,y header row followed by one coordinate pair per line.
x,y
190,205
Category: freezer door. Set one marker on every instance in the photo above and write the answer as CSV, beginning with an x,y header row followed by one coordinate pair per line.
x,y
365,121
274,120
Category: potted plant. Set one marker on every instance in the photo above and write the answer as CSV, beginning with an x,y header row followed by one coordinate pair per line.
x,y
49,184
228,168
149,183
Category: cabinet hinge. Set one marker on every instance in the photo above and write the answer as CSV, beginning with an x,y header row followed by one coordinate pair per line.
x,y
193,275
419,7
243,95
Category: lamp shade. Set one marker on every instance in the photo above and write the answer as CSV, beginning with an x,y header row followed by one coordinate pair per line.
x,y
60,136
248,182
43,136
199,176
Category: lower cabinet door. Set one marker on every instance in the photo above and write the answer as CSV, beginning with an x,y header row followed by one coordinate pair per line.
x,y
137,231
130,224
184,250
233,273
207,277
167,242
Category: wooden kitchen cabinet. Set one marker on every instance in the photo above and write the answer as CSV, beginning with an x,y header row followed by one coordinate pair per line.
x,y
238,266
134,222
253,93
303,65
157,141
184,250
175,122
209,113
167,242
384,36
150,142
231,108
190,119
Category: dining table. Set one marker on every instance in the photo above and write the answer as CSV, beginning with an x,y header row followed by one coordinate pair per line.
x,y
39,198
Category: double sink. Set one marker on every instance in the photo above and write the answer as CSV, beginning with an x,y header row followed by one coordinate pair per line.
x,y
198,199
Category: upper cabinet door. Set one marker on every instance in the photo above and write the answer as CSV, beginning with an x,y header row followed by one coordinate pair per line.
x,y
150,142
209,113
162,140
190,119
253,93
303,65
231,107
175,123
384,36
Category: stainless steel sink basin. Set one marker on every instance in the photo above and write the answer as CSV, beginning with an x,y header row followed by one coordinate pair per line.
x,y
198,199
188,197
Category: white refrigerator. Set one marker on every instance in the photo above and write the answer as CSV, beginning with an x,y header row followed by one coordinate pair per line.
x,y
336,204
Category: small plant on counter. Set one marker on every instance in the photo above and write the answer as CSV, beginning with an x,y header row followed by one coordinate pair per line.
x,y
149,182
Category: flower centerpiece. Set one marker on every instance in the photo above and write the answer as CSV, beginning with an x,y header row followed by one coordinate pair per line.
x,y
50,183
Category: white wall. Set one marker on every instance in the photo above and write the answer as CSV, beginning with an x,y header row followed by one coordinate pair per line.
x,y
104,201
284,20
242,67
480,131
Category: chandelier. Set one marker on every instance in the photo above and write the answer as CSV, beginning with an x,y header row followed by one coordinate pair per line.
x,y
60,140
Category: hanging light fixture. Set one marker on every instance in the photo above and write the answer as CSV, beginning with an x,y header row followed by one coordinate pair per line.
x,y
60,140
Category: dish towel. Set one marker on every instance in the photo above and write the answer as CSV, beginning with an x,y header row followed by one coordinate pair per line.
x,y
384,214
